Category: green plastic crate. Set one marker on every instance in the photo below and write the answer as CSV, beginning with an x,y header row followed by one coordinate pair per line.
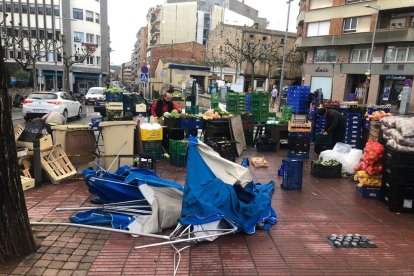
x,y
153,149
192,110
178,160
178,146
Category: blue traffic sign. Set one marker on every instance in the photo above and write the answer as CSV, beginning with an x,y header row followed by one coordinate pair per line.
x,y
144,69
144,78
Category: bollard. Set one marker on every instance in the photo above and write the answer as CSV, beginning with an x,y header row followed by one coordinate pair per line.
x,y
36,163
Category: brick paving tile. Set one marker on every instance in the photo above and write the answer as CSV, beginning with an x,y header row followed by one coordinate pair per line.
x,y
297,245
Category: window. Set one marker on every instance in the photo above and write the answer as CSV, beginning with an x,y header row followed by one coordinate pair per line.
x,y
56,10
78,37
325,55
19,55
355,1
251,36
98,40
48,9
50,57
282,41
98,61
41,33
360,55
350,25
8,7
57,34
324,83
399,54
318,28
40,9
32,9
1,7
89,16
78,14
49,34
11,54
16,7
90,60
33,33
264,38
90,38
97,18
24,8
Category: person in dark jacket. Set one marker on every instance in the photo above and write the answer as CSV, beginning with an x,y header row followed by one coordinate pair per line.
x,y
335,124
165,104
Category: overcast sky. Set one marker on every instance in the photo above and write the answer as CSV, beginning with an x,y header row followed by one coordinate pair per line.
x,y
126,17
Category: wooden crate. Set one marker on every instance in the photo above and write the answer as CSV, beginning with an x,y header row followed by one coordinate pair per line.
x,y
259,162
27,183
57,164
18,130
299,127
115,106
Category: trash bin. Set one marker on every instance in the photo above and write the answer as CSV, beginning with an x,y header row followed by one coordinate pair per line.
x,y
118,137
59,133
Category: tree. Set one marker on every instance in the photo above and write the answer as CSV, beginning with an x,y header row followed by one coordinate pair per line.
x,y
29,49
235,57
251,51
272,58
217,59
80,54
16,237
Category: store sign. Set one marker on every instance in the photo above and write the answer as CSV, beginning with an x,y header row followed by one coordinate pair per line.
x,y
395,77
322,70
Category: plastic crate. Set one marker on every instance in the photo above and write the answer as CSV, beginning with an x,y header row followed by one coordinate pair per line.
x,y
320,171
249,137
247,117
145,162
172,122
151,134
176,134
153,149
227,149
192,109
399,203
298,155
269,146
178,146
370,192
292,174
114,97
323,139
95,123
390,187
300,144
403,175
395,157
178,160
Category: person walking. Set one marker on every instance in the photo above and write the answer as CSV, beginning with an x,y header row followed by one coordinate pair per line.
x,y
274,96
335,124
165,104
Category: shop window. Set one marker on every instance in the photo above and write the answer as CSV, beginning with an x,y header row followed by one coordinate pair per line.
x,y
360,55
350,25
323,83
325,55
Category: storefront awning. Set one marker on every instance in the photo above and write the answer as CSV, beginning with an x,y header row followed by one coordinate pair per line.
x,y
85,76
52,73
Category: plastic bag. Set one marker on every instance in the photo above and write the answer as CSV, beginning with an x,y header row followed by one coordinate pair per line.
x,y
341,147
348,160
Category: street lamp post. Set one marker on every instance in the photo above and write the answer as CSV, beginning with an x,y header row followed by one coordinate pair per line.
x,y
377,8
282,73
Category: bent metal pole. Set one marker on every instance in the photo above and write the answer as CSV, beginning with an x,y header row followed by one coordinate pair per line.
x,y
35,223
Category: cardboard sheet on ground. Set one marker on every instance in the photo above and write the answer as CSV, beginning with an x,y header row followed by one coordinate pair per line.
x,y
237,133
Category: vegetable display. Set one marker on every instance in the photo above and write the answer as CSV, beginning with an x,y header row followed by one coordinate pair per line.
x,y
330,163
377,115
370,166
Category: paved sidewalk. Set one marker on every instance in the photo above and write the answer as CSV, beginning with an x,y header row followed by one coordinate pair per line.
x,y
296,245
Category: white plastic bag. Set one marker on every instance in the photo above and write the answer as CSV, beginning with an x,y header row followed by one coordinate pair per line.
x,y
343,148
348,160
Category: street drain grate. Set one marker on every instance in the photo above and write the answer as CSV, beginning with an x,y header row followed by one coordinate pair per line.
x,y
350,241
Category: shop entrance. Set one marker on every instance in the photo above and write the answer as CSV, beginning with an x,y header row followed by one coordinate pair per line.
x,y
82,85
391,87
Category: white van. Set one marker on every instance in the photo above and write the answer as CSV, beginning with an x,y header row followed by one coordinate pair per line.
x,y
94,94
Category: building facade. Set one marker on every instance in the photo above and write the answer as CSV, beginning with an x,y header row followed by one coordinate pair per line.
x,y
180,21
126,75
79,23
138,57
242,37
337,37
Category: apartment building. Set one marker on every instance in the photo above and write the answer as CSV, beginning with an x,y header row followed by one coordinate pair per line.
x,y
126,75
138,57
337,37
180,21
241,37
80,22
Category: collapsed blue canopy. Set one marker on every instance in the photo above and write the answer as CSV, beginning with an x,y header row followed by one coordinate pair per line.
x,y
123,185
208,198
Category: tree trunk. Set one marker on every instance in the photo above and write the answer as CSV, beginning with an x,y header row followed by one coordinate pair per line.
x,y
16,237
66,83
269,88
34,74
252,76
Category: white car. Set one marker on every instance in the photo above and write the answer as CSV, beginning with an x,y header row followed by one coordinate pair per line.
x,y
41,103
94,94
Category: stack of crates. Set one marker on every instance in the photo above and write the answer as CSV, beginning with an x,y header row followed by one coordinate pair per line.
x,y
397,180
354,126
248,128
299,142
192,110
287,112
292,174
259,106
322,142
227,149
214,100
296,97
178,152
236,102
248,101
153,149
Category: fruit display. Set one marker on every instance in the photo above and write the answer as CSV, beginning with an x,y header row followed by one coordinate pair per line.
x,y
366,180
377,115
216,113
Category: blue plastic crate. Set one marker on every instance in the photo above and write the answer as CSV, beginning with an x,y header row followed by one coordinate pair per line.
x,y
370,192
95,123
298,155
292,174
114,97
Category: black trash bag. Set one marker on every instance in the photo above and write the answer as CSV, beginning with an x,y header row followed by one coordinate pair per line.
x,y
32,131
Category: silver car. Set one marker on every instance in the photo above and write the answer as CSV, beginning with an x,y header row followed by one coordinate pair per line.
x,y
94,94
41,103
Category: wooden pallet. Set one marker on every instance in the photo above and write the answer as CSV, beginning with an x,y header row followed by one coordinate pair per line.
x,y
57,164
299,127
259,162
27,183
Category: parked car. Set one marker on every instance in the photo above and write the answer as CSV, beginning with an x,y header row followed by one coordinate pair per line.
x,y
38,104
94,94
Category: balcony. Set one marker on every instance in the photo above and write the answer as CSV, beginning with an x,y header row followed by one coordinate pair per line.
x,y
382,36
155,31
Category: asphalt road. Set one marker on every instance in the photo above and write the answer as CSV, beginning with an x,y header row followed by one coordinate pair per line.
x,y
87,115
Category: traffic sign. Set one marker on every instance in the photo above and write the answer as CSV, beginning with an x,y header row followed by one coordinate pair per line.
x,y
144,78
144,69
408,82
